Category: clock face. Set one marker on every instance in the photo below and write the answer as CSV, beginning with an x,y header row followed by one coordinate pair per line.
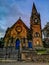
x,y
18,29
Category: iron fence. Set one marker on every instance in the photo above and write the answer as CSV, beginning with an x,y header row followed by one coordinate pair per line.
x,y
10,53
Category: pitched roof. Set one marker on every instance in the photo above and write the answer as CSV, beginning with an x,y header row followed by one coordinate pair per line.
x,y
21,22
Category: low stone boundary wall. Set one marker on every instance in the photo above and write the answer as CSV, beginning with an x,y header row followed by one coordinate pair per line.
x,y
40,58
36,58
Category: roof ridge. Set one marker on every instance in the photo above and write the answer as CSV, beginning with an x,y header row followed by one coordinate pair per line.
x,y
21,21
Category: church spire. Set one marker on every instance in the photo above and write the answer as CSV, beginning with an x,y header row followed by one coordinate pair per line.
x,y
34,10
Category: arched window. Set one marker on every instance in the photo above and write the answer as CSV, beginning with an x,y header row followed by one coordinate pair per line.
x,y
37,34
37,43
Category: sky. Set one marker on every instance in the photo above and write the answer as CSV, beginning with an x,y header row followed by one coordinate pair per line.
x,y
11,10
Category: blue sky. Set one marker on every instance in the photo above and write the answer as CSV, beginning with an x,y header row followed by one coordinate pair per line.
x,y
11,10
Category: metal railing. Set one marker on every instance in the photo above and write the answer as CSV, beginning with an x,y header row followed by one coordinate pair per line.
x,y
9,53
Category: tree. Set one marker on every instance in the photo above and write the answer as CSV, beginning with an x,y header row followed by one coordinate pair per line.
x,y
46,35
1,43
46,44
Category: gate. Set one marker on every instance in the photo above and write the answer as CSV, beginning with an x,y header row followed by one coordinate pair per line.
x,y
11,52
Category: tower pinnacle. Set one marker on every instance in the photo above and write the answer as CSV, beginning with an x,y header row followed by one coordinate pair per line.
x,y
34,10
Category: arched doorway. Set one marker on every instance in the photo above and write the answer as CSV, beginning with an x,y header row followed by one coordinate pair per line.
x,y
29,44
18,48
17,44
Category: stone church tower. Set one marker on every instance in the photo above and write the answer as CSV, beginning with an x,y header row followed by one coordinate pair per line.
x,y
35,26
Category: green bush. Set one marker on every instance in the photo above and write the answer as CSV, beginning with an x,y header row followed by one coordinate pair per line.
x,y
41,51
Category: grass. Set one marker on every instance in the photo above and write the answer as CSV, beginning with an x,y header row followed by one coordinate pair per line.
x,y
41,52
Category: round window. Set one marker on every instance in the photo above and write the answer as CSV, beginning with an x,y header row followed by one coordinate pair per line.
x,y
18,29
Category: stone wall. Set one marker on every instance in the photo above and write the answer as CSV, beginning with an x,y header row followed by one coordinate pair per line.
x,y
41,58
37,58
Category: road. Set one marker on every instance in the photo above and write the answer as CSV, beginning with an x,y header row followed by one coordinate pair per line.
x,y
24,63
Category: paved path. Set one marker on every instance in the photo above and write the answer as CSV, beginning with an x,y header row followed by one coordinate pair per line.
x,y
24,63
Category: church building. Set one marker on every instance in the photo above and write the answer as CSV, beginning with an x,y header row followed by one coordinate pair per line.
x,y
20,36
